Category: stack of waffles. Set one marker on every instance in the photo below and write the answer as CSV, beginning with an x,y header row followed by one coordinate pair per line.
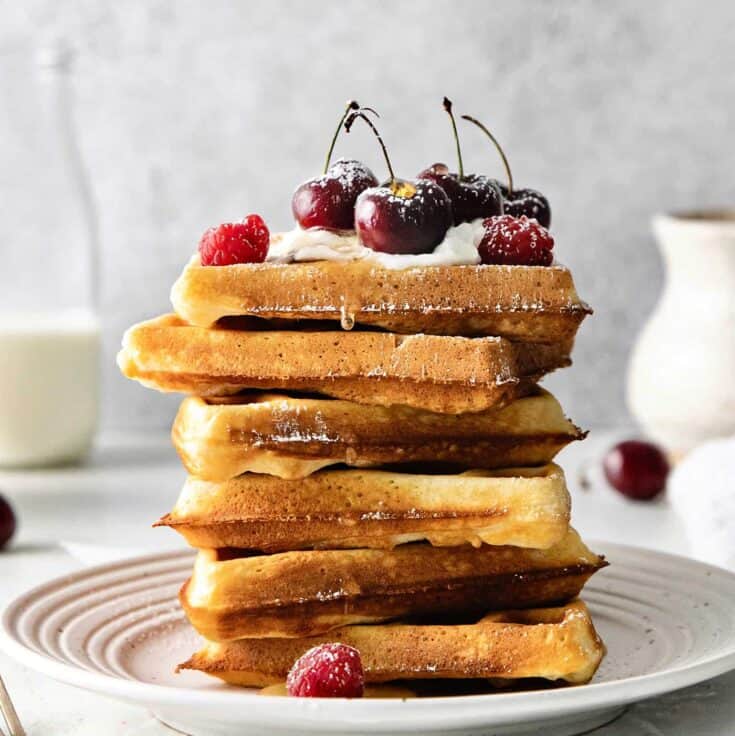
x,y
371,462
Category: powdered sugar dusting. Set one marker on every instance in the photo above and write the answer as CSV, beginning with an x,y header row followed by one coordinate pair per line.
x,y
350,173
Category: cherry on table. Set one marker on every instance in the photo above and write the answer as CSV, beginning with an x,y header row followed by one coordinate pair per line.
x,y
328,201
8,522
637,469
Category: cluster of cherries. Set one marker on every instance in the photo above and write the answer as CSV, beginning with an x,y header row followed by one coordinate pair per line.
x,y
406,216
412,216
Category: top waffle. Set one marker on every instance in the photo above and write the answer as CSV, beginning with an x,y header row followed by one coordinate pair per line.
x,y
528,303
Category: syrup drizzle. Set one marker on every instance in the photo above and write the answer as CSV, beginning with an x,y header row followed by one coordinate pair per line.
x,y
346,317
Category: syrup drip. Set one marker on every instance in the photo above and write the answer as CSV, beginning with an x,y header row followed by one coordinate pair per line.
x,y
346,318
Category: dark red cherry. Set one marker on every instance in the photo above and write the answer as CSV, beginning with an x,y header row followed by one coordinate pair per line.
x,y
403,216
517,202
328,201
637,469
471,196
528,202
7,522
400,216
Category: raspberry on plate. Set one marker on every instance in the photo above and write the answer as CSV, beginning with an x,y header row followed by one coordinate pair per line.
x,y
235,242
327,671
515,241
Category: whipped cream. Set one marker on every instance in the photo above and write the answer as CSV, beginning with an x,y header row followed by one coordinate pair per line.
x,y
459,248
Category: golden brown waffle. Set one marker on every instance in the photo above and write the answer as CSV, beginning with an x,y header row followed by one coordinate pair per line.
x,y
375,509
551,643
308,593
292,437
527,303
443,374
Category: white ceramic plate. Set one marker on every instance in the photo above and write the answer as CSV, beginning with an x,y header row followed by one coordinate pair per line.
x,y
118,630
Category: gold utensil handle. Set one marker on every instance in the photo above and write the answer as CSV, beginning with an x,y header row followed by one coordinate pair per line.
x,y
9,714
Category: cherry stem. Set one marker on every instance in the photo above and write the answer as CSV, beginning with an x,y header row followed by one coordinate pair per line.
x,y
448,107
360,113
497,145
351,105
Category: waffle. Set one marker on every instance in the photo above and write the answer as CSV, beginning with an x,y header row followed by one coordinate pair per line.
x,y
550,643
442,374
306,593
530,304
375,509
292,437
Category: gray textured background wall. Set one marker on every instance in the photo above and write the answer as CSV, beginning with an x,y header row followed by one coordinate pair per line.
x,y
191,113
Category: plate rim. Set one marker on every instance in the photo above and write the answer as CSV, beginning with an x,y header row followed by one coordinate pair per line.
x,y
445,711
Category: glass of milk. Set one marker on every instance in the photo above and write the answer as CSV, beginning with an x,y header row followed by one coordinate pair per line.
x,y
49,329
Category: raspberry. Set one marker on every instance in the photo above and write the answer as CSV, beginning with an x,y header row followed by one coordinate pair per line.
x,y
235,242
515,241
327,671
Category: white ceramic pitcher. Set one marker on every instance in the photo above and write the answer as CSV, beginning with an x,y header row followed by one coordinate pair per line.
x,y
681,380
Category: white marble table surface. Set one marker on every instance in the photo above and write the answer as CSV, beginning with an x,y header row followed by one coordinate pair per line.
x,y
103,510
